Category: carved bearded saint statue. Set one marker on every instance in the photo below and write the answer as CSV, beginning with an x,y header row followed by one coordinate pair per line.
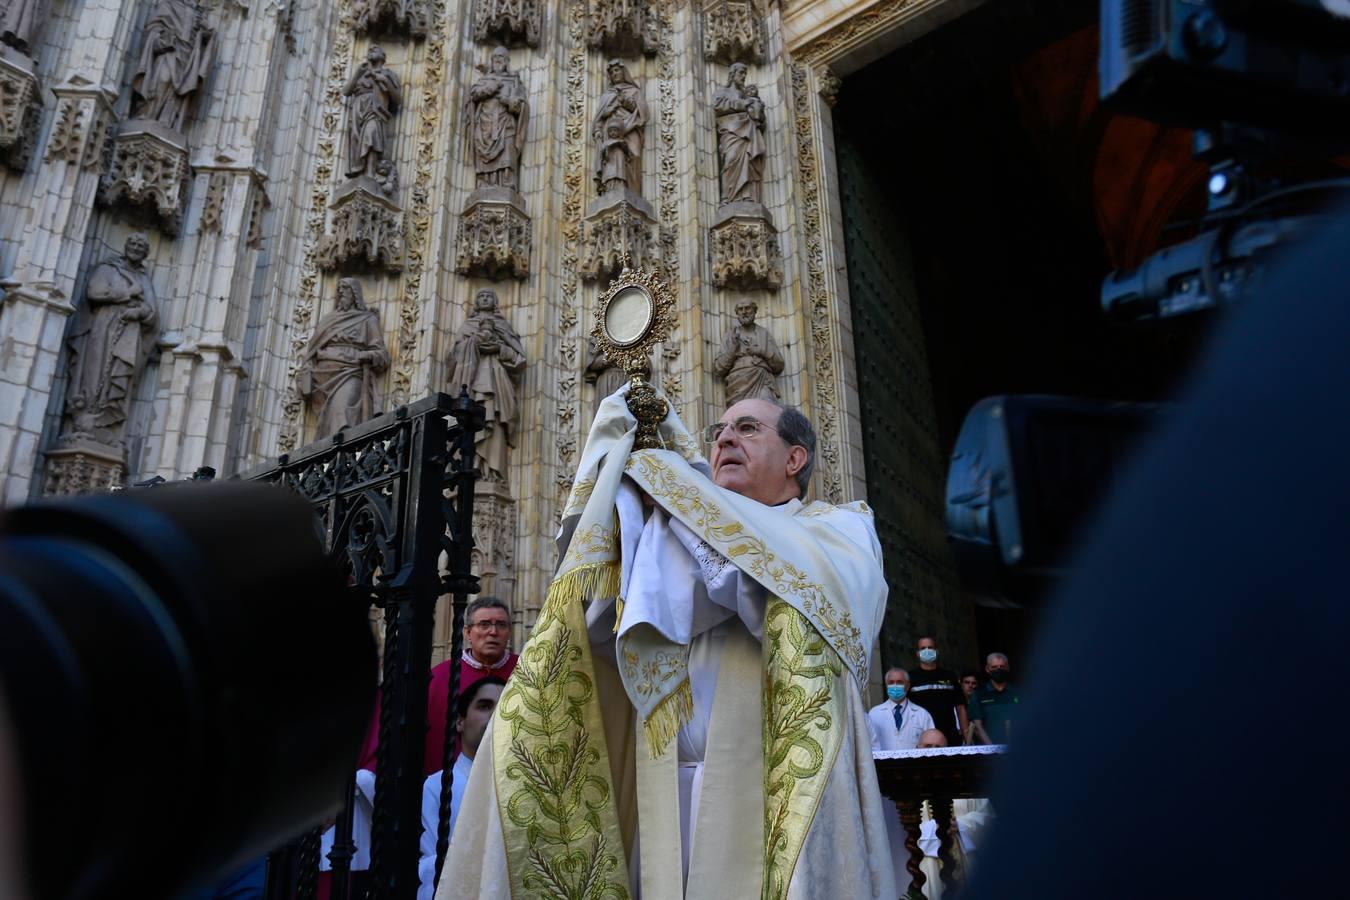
x,y
111,342
749,358
175,58
345,354
488,359
498,113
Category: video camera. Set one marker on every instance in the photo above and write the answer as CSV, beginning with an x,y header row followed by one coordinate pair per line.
x,y
184,684
1260,82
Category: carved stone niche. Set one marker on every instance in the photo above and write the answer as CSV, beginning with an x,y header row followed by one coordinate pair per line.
x,y
406,17
82,466
623,27
494,539
149,169
507,22
20,108
367,229
733,31
493,238
744,246
617,230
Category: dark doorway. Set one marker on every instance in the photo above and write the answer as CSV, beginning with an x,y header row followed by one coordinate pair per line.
x,y
985,196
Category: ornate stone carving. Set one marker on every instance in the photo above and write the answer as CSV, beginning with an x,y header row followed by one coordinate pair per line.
x,y
82,125
494,539
149,168
110,343
367,230
175,58
374,95
617,229
749,360
21,23
567,409
825,406
830,85
213,205
507,21
489,359
345,355
744,248
328,142
83,468
622,27
409,17
493,238
430,149
617,133
741,147
733,31
20,108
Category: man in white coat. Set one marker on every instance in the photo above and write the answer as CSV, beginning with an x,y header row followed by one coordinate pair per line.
x,y
896,723
698,729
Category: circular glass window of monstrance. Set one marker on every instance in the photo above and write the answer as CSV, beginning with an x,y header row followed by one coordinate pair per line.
x,y
628,316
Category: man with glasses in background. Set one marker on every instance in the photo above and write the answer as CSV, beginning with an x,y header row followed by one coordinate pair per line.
x,y
487,639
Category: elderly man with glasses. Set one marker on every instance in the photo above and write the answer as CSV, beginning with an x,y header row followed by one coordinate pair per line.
x,y
687,717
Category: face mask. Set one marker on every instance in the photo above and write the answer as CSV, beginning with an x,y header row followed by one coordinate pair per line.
x,y
998,676
927,655
896,692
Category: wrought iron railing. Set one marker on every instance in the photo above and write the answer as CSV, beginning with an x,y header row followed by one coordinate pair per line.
x,y
392,495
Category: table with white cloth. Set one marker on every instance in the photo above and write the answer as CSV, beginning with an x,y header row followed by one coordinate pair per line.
x,y
939,776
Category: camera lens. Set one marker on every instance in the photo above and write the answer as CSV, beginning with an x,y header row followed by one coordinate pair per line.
x,y
187,678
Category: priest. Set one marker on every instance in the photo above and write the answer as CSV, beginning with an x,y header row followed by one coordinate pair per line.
x,y
687,718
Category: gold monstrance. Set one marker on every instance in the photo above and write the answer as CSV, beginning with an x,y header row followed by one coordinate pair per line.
x,y
636,313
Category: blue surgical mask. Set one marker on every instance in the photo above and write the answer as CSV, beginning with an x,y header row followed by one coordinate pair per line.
x,y
896,692
927,655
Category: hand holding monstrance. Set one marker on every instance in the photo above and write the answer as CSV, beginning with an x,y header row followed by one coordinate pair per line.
x,y
636,313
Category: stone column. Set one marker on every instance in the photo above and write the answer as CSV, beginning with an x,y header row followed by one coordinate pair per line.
x,y
203,364
39,292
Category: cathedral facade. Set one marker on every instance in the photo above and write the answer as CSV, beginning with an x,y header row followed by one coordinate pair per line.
x,y
230,228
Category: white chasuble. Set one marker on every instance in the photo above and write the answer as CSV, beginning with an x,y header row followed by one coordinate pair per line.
x,y
686,719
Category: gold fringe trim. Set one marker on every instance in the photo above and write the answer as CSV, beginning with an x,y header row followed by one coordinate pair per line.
x,y
674,710
582,583
618,613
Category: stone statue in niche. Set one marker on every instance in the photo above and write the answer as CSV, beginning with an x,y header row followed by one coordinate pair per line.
x,y
344,356
21,23
489,359
113,337
749,360
498,111
374,96
740,138
616,133
175,57
386,176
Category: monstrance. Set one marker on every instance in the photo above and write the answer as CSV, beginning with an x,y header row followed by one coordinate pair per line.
x,y
636,313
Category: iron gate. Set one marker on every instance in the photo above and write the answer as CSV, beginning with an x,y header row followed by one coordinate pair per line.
x,y
392,495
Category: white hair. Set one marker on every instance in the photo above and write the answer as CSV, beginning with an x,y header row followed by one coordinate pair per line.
x,y
989,660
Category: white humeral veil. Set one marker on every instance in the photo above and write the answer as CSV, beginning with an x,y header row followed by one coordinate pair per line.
x,y
675,653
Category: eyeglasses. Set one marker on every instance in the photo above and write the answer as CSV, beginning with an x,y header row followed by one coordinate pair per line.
x,y
745,426
491,626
